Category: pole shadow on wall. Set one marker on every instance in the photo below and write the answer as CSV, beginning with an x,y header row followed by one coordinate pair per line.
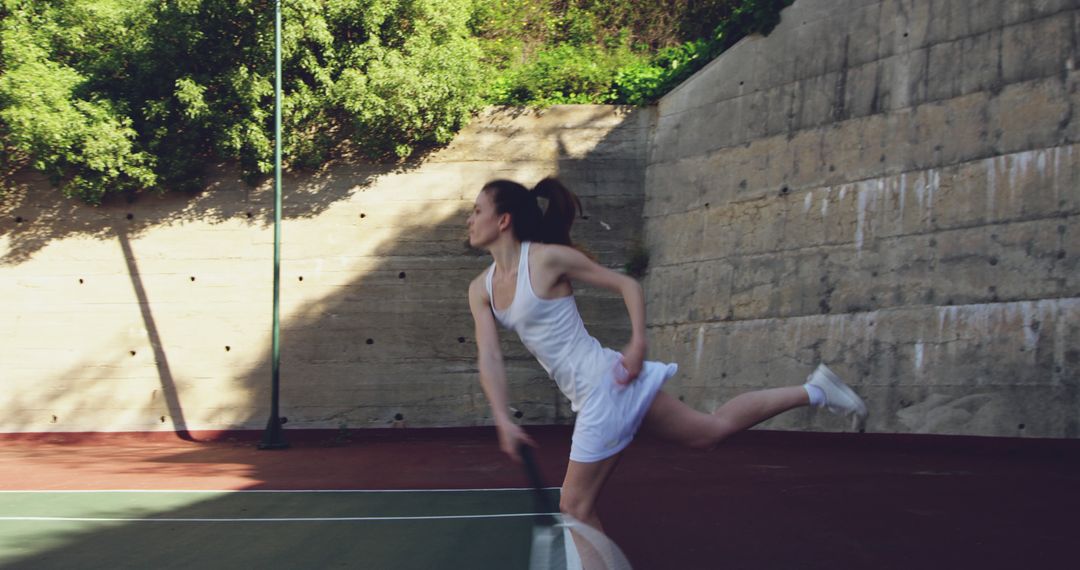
x,y
161,359
35,216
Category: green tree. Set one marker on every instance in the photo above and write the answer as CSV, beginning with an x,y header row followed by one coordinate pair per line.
x,y
50,119
123,95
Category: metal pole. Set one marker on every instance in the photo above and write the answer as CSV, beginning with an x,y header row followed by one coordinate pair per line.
x,y
272,436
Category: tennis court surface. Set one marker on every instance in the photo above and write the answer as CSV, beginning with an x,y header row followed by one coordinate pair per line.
x,y
417,498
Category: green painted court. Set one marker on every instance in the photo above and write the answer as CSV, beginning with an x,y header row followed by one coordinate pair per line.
x,y
273,529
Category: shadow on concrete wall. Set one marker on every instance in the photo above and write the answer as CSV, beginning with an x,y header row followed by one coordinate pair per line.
x,y
392,346
168,385
33,214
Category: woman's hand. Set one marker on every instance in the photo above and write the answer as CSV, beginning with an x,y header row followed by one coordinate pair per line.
x,y
511,438
633,358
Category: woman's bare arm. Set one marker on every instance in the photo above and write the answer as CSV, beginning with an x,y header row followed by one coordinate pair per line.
x,y
492,369
576,266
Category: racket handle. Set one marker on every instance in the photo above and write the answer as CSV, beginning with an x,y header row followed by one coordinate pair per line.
x,y
533,472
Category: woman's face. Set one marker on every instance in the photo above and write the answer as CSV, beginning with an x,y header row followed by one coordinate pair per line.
x,y
483,222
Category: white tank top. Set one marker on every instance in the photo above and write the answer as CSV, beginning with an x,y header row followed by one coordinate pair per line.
x,y
551,329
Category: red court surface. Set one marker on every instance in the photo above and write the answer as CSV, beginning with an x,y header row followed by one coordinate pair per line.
x,y
762,500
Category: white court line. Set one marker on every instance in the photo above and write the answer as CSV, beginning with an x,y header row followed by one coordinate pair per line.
x,y
229,491
254,520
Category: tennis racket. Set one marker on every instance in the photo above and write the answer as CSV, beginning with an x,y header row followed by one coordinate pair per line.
x,y
560,542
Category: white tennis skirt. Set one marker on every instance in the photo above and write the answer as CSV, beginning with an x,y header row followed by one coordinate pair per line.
x,y
613,412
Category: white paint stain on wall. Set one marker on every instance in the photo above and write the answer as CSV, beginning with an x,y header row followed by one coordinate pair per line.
x,y
1020,323
1003,174
866,206
699,347
1016,169
992,167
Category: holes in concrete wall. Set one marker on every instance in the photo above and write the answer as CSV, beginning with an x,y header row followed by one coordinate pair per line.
x,y
130,216
784,190
162,419
192,278
401,275
461,339
131,352
80,281
18,219
398,417
362,215
301,278
54,419
370,341
227,348
250,215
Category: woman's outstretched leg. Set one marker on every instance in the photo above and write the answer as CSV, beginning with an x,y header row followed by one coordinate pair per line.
x,y
672,419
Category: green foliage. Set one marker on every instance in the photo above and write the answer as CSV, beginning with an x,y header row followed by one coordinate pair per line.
x,y
638,84
125,96
610,51
112,96
645,81
81,139
563,74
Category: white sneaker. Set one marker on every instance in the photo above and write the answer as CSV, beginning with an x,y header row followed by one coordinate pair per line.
x,y
839,398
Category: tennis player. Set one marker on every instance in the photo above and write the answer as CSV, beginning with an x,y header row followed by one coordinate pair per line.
x,y
529,289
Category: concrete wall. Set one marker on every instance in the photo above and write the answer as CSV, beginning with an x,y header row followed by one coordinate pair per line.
x,y
156,315
891,186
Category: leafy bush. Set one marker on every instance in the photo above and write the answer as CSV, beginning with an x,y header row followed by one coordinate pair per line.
x,y
124,96
112,96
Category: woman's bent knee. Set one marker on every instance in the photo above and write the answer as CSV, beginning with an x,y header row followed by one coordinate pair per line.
x,y
575,506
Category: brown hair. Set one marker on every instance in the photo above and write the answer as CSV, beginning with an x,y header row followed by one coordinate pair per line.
x,y
528,221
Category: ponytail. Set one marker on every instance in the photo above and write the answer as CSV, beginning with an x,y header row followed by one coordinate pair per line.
x,y
563,207
528,221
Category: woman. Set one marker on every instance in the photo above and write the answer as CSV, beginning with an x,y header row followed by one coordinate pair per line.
x,y
528,289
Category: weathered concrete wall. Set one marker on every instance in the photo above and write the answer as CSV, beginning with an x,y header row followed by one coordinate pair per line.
x,y
891,186
156,315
